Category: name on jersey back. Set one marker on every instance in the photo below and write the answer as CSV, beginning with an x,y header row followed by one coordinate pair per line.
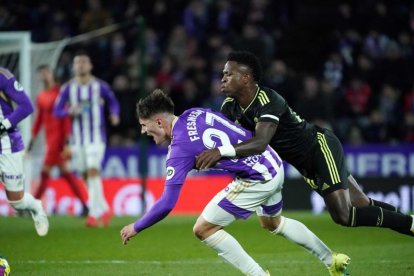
x,y
192,126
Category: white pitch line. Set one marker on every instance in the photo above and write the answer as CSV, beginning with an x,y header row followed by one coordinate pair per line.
x,y
113,262
177,262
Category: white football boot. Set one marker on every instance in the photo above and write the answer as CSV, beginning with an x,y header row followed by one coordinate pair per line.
x,y
40,219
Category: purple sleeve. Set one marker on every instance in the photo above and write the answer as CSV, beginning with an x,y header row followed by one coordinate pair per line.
x,y
161,208
60,109
110,99
24,108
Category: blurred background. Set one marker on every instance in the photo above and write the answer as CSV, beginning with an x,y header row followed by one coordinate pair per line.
x,y
344,65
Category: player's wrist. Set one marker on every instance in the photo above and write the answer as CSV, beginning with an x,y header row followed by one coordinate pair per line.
x,y
227,151
4,126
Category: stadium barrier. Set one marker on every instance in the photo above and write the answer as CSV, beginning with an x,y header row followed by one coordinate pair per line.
x,y
125,195
385,172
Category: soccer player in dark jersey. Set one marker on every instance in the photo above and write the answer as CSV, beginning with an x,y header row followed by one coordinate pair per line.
x,y
314,151
256,187
57,131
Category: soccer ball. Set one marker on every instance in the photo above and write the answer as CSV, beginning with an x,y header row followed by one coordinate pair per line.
x,y
4,267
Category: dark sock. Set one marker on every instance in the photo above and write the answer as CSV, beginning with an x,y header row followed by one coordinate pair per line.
x,y
377,217
383,205
44,178
74,185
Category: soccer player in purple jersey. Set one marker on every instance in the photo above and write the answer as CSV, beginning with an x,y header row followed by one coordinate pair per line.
x,y
12,148
83,98
256,187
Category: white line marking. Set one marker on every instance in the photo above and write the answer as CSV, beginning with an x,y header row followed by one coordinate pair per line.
x,y
177,262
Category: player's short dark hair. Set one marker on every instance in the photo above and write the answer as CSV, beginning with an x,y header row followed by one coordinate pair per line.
x,y
156,102
82,52
248,59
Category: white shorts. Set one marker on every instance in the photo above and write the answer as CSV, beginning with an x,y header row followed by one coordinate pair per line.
x,y
86,157
241,198
11,171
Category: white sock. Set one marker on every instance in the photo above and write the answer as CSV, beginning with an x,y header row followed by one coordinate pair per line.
x,y
28,202
412,224
229,249
97,201
297,232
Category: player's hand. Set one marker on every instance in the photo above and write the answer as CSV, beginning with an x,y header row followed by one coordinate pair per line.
x,y
66,153
114,120
29,146
75,111
207,159
127,233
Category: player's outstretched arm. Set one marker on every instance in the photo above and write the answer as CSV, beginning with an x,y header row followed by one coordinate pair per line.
x,y
255,145
159,211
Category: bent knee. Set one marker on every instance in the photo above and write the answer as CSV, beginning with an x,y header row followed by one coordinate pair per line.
x,y
92,172
341,217
198,231
270,223
202,229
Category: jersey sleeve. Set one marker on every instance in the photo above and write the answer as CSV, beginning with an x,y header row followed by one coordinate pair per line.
x,y
60,109
110,99
272,108
177,169
13,91
160,209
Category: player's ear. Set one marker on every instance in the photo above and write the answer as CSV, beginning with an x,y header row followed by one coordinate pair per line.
x,y
159,122
247,77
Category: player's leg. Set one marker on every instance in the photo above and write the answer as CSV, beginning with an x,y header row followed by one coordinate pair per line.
x,y
11,166
331,179
297,232
73,184
52,158
270,219
359,198
209,229
78,154
44,179
98,205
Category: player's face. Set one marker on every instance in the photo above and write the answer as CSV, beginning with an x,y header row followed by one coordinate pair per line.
x,y
82,65
45,75
233,78
154,127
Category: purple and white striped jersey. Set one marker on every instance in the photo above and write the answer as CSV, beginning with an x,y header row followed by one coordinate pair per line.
x,y
89,127
11,92
198,129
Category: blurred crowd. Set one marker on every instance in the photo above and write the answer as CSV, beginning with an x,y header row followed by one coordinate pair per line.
x,y
345,65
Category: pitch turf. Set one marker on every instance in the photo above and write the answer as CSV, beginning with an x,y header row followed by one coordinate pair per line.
x,y
170,248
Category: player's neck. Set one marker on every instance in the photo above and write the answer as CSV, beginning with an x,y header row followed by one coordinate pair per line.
x,y
173,121
49,84
84,79
247,96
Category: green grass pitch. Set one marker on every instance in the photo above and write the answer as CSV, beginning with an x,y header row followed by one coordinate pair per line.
x,y
169,248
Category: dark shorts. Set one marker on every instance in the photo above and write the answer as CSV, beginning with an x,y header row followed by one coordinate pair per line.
x,y
325,168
